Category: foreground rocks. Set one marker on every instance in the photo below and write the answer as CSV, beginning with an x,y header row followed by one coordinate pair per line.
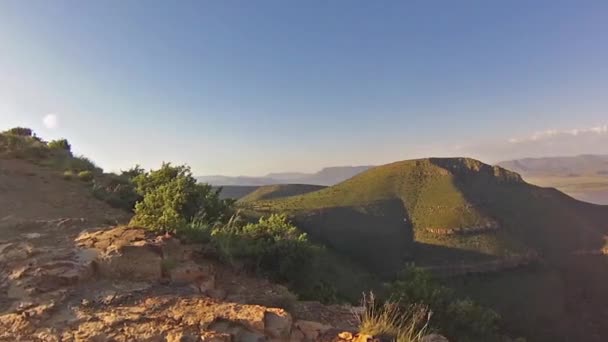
x,y
126,284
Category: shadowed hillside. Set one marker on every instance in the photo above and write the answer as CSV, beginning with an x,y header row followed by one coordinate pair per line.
x,y
453,203
236,191
458,216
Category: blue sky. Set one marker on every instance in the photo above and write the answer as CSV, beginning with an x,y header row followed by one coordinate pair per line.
x,y
249,87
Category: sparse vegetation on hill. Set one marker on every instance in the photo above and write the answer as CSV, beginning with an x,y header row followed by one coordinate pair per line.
x,y
22,143
459,319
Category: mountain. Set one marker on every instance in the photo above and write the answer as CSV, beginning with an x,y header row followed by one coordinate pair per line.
x,y
218,180
457,216
583,177
268,192
327,176
582,165
457,204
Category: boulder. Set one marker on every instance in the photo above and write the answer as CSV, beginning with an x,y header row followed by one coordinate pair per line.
x,y
277,323
311,330
189,272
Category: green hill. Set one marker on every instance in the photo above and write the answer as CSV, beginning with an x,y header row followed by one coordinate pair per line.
x,y
269,192
442,211
236,191
477,224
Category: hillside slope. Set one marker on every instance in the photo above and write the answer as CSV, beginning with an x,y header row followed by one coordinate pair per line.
x,y
269,192
443,210
326,176
458,217
559,166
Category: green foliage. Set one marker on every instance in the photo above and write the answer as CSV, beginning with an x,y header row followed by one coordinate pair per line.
x,y
60,144
85,176
459,319
272,246
172,198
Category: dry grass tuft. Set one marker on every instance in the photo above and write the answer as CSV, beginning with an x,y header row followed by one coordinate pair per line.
x,y
392,322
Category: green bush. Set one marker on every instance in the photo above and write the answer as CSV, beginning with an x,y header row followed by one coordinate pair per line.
x,y
458,319
60,144
272,246
172,198
85,176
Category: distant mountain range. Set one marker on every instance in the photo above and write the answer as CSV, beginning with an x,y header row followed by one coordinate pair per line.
x,y
583,177
582,165
327,176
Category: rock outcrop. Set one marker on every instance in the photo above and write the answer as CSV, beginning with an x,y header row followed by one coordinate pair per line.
x,y
125,284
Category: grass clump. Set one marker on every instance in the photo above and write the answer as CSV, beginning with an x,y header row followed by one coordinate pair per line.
x,y
392,322
85,176
68,175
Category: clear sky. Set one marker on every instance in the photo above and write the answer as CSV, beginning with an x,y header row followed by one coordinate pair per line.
x,y
249,87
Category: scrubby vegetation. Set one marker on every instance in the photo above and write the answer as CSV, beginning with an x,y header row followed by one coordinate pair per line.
x,y
22,143
60,144
392,321
172,198
460,319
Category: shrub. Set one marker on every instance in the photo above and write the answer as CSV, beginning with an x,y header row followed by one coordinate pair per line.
x,y
272,246
85,176
60,144
459,319
118,191
172,198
